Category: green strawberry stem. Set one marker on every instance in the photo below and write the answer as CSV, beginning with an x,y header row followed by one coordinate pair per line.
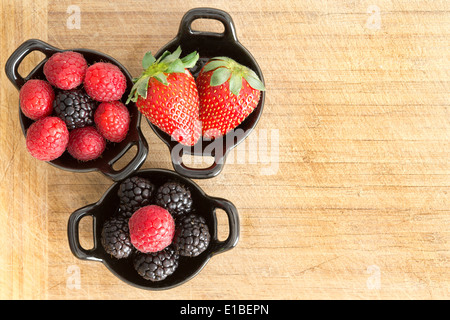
x,y
225,69
158,69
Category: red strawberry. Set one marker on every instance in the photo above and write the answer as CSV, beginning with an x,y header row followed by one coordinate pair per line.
x,y
228,93
65,70
167,95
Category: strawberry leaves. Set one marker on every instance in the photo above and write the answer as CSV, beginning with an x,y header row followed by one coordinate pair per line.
x,y
190,60
226,69
148,60
214,64
167,63
140,87
220,76
235,83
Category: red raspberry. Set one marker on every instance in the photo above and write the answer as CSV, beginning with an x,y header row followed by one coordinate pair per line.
x,y
105,82
86,143
151,229
47,138
36,99
112,120
65,70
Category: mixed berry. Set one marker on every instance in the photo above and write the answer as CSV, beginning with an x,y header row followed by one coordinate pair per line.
x,y
146,228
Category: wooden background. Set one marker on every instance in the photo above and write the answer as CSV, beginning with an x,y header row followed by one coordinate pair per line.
x,y
351,201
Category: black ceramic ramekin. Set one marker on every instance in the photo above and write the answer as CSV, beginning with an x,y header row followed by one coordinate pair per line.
x,y
209,45
114,151
188,267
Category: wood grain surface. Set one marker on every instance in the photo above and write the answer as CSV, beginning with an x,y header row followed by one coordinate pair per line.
x,y
345,195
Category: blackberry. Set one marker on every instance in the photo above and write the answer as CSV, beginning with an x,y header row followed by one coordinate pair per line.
x,y
191,236
116,237
75,108
125,213
134,193
175,198
156,266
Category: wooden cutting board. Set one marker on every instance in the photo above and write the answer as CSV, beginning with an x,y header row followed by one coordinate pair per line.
x,y
344,194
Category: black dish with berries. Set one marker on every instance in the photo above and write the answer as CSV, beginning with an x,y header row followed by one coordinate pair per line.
x,y
70,101
162,255
210,45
